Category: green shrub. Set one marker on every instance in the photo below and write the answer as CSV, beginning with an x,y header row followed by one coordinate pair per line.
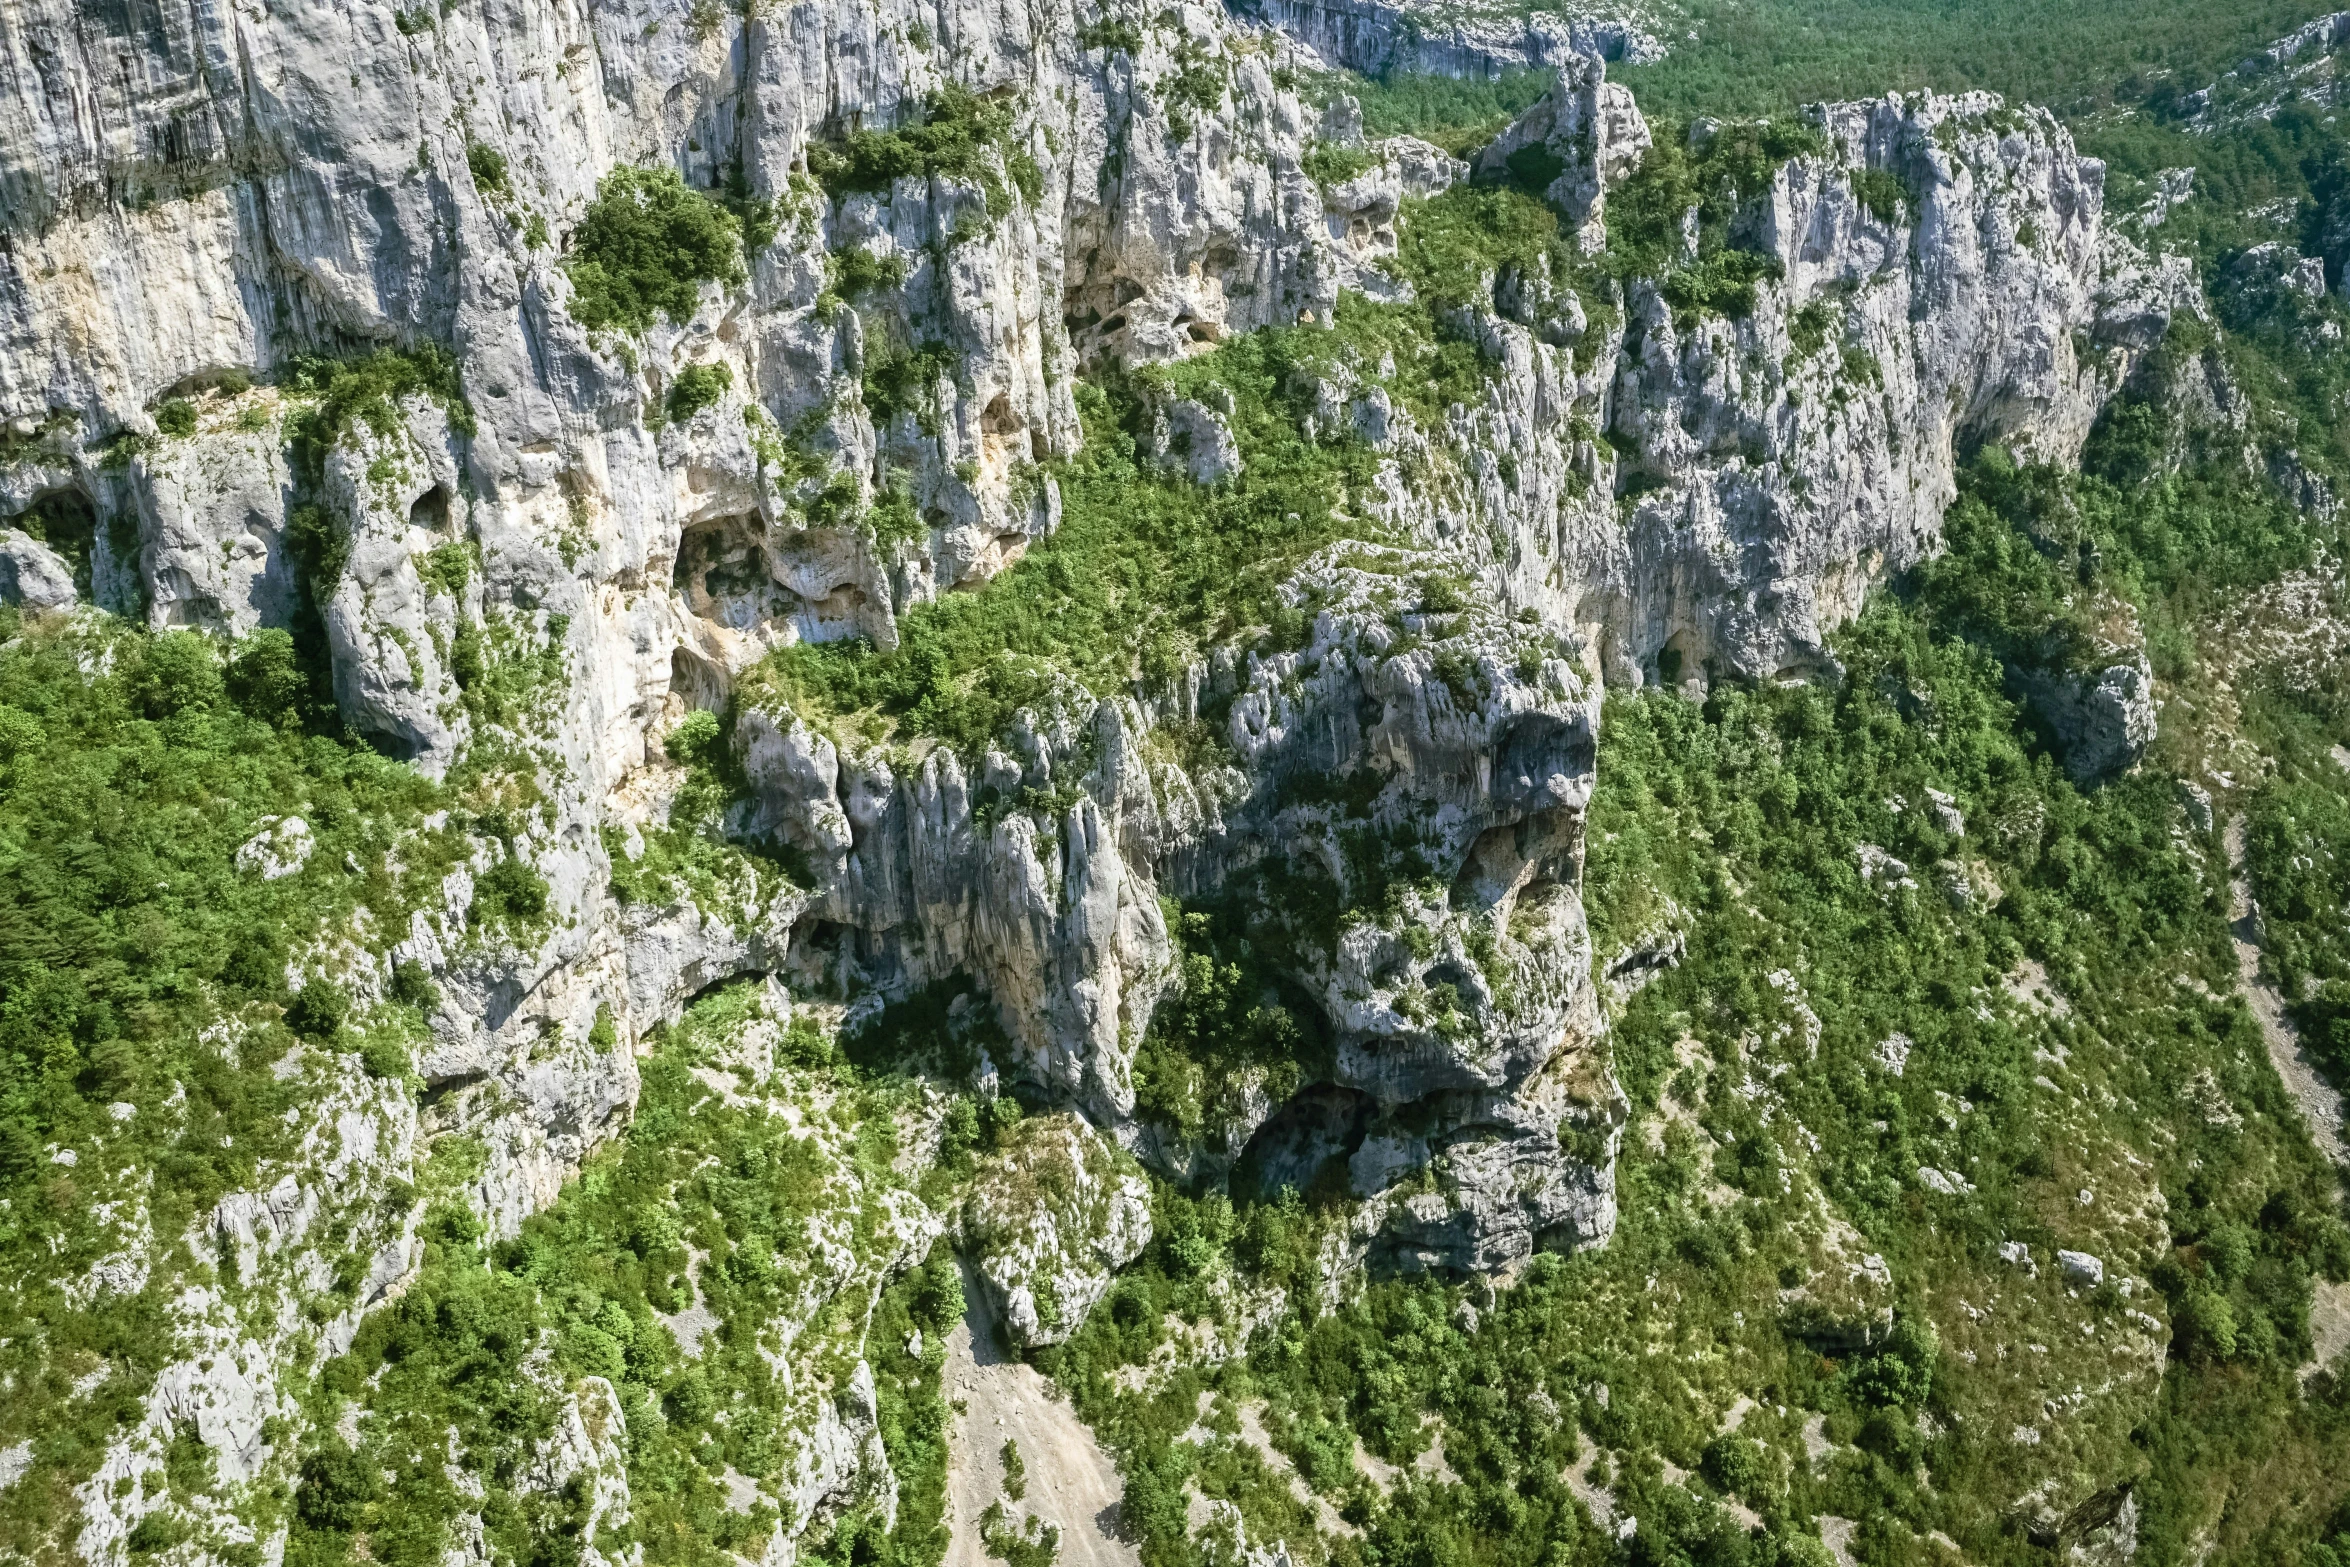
x,y
1737,1466
1015,1470
697,387
694,737
176,672
383,1058
177,417
339,395
446,568
510,894
645,247
857,271
955,136
1881,193
1327,163
319,1009
1808,333
906,381
488,167
412,985
1722,284
1110,33
266,677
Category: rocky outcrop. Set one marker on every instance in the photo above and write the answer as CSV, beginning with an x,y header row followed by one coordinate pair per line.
x,y
1412,727
1773,481
32,574
2102,719
1585,135
1375,38
1050,1219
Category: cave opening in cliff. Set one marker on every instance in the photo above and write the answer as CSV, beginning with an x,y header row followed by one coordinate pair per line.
x,y
1305,1145
697,682
431,510
64,520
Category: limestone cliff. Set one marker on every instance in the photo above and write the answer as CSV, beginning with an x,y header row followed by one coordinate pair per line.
x,y
196,199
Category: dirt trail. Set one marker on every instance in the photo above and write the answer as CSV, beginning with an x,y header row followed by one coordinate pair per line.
x,y
2329,1326
2321,1107
1253,1432
1071,1481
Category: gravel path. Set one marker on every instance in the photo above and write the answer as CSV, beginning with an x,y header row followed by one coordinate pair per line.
x,y
1071,1481
2321,1107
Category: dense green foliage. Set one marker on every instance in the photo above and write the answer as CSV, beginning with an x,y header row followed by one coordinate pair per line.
x,y
646,245
2299,851
142,978
955,136
1145,569
1455,245
2047,566
1232,1031
338,395
1456,113
1756,1067
487,165
707,1200
1764,56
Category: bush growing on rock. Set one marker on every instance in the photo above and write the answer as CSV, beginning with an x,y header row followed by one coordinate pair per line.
x,y
697,387
647,244
318,1009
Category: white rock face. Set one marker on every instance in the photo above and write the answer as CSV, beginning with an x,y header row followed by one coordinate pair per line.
x,y
1376,37
1050,1218
282,847
212,512
1994,306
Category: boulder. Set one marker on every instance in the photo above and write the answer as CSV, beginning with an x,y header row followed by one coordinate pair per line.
x,y
32,575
